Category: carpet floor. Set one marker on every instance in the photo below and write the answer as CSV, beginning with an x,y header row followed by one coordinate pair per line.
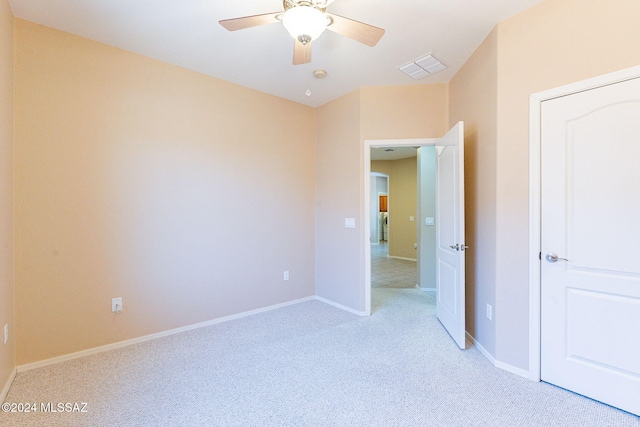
x,y
308,364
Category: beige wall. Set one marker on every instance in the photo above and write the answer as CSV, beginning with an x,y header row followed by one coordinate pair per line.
x,y
382,166
553,44
185,195
122,161
403,193
339,180
398,112
404,190
418,111
473,98
7,361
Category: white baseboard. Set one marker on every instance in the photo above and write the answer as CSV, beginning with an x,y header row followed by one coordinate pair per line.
x,y
120,344
500,365
7,386
340,306
403,258
513,369
432,290
483,350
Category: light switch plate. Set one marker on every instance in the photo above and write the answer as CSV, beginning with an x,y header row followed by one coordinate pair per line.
x,y
349,223
429,220
116,305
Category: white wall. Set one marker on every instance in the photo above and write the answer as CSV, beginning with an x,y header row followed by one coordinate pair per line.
x,y
426,208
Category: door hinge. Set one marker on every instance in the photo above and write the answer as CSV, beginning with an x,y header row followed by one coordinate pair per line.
x,y
540,256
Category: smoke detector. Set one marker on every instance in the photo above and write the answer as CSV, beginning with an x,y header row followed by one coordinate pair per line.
x,y
319,74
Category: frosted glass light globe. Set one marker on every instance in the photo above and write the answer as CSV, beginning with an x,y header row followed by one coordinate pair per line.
x,y
305,23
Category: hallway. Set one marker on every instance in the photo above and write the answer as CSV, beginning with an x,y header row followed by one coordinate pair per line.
x,y
390,272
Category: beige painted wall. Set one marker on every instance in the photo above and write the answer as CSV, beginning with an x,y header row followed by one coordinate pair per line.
x,y
473,99
7,361
130,158
186,195
398,112
339,180
418,111
402,204
404,188
553,44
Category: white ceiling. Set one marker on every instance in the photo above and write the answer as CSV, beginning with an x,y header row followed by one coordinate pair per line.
x,y
187,33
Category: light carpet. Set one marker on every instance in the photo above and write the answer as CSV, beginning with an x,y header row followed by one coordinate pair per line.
x,y
308,364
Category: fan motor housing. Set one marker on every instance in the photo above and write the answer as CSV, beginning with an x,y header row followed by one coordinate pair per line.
x,y
321,5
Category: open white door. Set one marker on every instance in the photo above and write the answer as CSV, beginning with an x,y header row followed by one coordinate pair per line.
x,y
450,242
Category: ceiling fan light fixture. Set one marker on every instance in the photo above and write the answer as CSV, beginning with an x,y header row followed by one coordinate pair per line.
x,y
305,23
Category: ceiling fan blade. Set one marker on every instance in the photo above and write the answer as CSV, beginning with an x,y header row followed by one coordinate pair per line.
x,y
358,31
301,53
250,21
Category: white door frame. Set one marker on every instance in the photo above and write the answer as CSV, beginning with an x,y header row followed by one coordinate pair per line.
x,y
368,145
535,144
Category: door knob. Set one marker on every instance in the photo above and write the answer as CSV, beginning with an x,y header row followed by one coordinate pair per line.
x,y
551,257
459,247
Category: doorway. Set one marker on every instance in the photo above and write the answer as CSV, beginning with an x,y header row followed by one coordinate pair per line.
x,y
394,257
412,206
393,204
379,209
450,242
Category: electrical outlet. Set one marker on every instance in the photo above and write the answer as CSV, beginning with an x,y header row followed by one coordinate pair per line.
x,y
286,275
6,332
489,312
116,305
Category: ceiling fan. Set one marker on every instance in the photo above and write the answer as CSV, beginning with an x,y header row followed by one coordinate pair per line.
x,y
305,20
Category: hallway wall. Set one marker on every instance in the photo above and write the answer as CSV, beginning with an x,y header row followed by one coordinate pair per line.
x,y
7,360
402,204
